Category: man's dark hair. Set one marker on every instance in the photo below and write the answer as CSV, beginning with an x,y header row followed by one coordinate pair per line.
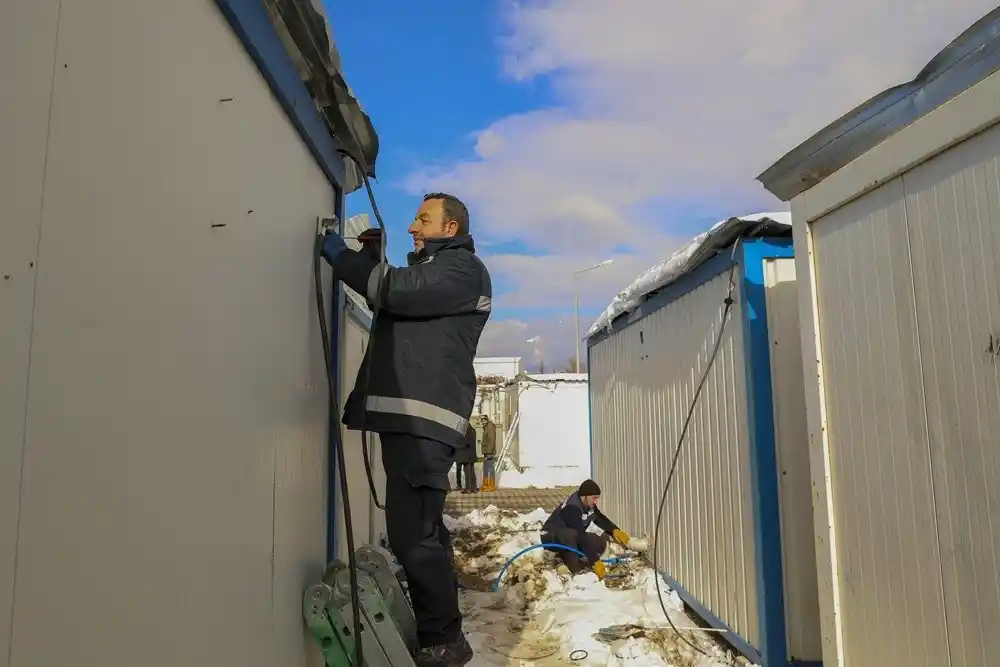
x,y
454,209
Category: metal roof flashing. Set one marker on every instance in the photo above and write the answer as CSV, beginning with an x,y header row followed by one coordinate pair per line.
x,y
971,57
292,45
685,264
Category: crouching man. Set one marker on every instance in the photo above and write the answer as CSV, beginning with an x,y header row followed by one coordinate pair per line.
x,y
568,524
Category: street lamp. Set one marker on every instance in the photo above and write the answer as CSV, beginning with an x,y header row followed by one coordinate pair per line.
x,y
576,303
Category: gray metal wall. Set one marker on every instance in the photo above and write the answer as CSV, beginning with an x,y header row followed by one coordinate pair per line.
x,y
791,437
907,307
162,400
641,391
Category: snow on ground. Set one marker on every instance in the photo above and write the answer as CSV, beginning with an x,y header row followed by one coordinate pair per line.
x,y
541,617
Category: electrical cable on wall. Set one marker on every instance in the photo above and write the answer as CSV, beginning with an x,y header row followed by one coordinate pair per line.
x,y
334,407
376,308
363,167
334,423
728,303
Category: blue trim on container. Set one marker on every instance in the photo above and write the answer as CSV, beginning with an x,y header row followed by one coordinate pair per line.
x,y
667,295
250,21
763,449
706,615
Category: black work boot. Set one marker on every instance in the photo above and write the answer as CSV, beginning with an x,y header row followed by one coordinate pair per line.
x,y
455,654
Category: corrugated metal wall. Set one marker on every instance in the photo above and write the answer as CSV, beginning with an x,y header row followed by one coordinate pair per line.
x,y
909,315
798,543
642,381
163,472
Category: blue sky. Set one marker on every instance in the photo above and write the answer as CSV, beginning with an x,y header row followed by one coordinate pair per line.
x,y
426,95
582,130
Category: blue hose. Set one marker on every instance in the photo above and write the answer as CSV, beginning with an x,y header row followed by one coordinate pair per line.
x,y
550,545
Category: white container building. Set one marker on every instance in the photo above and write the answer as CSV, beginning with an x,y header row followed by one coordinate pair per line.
x,y
550,443
896,210
736,537
503,367
166,478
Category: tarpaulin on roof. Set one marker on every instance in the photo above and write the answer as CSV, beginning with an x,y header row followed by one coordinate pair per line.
x,y
699,250
308,38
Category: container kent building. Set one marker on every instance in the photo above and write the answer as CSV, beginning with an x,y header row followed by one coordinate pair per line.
x,y
896,216
166,478
736,539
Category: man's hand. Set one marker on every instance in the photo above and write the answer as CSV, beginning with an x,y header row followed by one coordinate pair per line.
x,y
600,570
333,245
371,242
621,537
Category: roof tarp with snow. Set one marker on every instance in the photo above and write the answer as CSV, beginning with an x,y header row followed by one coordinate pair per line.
x,y
699,250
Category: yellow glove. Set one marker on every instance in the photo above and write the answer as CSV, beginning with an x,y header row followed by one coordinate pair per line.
x,y
600,570
621,537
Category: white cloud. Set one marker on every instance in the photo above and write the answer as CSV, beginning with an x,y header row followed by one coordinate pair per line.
x,y
663,104
542,340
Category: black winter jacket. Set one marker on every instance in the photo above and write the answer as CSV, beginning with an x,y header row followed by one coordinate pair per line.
x,y
570,514
466,452
425,337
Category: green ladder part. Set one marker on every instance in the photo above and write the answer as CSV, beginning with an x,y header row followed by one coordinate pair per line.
x,y
388,628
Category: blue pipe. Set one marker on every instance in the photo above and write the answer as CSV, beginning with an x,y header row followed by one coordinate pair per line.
x,y
550,545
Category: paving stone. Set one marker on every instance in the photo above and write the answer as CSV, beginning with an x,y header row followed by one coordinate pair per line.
x,y
519,500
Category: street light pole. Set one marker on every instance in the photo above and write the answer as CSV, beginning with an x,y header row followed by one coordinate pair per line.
x,y
576,314
576,303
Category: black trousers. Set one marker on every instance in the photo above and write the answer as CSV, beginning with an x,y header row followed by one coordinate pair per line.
x,y
589,543
416,472
467,470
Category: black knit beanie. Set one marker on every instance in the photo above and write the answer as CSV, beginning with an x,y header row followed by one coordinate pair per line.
x,y
589,488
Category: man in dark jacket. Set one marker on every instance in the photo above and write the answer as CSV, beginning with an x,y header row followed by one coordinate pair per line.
x,y
568,524
419,394
465,457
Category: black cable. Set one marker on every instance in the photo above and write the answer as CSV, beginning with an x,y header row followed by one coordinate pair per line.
x,y
680,442
334,405
363,168
334,425
376,308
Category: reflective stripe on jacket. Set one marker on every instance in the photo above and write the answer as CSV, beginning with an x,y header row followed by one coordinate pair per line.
x,y
432,314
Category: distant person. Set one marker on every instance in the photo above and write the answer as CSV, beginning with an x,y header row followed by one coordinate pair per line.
x,y
458,474
489,448
465,457
568,524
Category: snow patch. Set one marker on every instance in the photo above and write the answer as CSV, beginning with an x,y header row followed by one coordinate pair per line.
x,y
541,616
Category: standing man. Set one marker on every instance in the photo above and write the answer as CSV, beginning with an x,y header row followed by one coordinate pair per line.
x,y
489,454
419,394
465,457
568,524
